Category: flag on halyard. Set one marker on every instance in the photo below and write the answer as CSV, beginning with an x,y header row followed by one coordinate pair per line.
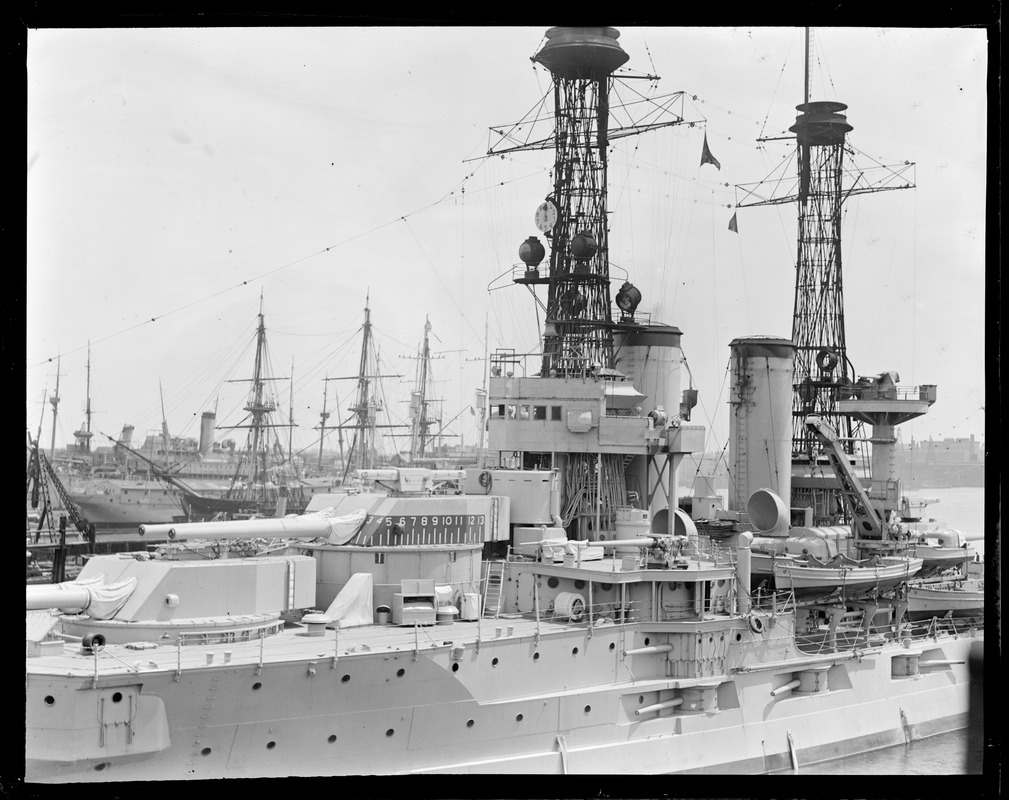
x,y
706,157
732,224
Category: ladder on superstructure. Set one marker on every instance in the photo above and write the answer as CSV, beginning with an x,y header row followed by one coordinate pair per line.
x,y
493,589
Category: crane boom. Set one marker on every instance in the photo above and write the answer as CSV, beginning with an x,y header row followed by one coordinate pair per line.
x,y
867,522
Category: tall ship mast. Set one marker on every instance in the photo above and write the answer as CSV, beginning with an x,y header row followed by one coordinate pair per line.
x,y
54,401
82,437
263,479
362,453
421,419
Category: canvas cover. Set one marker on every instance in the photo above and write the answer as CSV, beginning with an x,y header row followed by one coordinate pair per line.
x,y
354,605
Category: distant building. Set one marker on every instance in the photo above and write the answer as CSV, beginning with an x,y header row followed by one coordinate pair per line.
x,y
941,463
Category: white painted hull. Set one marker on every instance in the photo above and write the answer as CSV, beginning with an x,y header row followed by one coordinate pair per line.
x,y
104,513
433,701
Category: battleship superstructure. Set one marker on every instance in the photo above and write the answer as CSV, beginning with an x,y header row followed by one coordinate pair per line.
x,y
552,612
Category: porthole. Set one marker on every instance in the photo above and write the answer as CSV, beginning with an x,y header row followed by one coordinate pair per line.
x,y
672,586
470,723
257,685
739,637
711,638
613,646
400,673
574,651
205,751
345,678
579,585
588,709
390,732
49,699
518,717
605,586
721,581
647,640
270,745
117,697
100,767
553,583
641,698
536,656
493,662
455,667
332,738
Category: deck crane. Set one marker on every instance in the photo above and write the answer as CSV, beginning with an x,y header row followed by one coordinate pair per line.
x,y
873,530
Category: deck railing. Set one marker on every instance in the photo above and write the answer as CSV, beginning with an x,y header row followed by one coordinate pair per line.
x,y
854,636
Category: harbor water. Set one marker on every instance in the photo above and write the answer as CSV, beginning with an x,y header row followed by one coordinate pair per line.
x,y
944,754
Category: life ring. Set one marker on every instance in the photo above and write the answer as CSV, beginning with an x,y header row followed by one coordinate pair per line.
x,y
756,624
486,480
826,360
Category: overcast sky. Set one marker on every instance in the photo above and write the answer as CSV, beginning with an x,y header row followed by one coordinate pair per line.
x,y
177,175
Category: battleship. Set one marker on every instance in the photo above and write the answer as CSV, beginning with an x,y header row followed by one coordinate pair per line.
x,y
551,611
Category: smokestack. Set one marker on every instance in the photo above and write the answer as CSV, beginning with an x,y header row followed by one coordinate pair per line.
x,y
760,423
207,431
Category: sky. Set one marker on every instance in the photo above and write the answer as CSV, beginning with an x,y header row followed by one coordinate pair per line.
x,y
179,179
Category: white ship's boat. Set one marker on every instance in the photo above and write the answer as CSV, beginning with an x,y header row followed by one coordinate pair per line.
x,y
943,549
847,577
958,598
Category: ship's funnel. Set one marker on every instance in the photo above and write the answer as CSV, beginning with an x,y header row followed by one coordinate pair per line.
x,y
760,421
207,432
768,513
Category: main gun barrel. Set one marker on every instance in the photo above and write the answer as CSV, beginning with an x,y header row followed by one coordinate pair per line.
x,y
282,527
39,597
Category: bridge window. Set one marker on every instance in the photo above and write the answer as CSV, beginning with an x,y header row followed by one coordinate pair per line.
x,y
540,413
555,413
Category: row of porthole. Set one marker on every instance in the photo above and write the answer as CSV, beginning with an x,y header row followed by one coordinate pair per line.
x,y
455,667
346,678
206,751
117,697
49,700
